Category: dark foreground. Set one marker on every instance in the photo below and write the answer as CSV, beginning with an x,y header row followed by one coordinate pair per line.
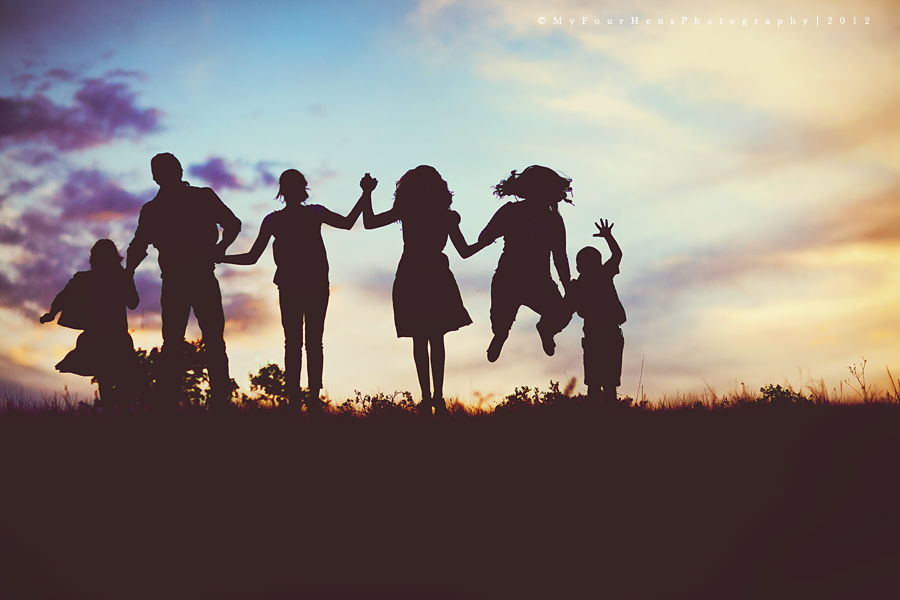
x,y
775,503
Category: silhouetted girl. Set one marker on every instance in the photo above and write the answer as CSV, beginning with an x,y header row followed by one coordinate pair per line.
x,y
301,275
532,230
427,303
95,301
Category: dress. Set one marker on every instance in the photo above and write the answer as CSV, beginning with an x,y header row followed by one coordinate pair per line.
x,y
95,301
425,294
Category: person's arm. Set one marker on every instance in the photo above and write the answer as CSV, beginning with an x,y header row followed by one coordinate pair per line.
x,y
132,299
251,256
137,249
459,240
494,229
367,183
560,258
58,303
604,230
373,221
231,225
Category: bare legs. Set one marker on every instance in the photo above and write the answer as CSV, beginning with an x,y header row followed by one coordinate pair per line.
x,y
421,346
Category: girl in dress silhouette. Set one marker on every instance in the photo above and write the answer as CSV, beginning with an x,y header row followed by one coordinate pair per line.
x,y
532,230
427,302
95,301
301,275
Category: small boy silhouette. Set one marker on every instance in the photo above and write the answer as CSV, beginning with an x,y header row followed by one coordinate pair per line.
x,y
593,296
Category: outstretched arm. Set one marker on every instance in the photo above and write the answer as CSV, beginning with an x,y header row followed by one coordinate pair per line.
x,y
250,257
459,242
373,221
58,302
604,230
367,183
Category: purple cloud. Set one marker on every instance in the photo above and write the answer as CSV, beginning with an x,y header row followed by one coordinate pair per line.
x,y
60,74
34,157
265,175
91,195
102,112
216,173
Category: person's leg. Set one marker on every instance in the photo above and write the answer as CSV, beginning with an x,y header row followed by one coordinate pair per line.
x,y
106,393
420,357
504,306
544,298
292,323
176,308
436,343
316,307
207,303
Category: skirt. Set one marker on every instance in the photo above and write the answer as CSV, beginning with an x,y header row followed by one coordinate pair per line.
x,y
426,297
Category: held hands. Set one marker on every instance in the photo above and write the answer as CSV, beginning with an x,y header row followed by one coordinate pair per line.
x,y
368,183
604,229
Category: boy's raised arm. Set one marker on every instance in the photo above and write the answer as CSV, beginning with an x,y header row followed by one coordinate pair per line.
x,y
604,230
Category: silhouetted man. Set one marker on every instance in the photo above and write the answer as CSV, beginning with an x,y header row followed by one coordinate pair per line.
x,y
182,223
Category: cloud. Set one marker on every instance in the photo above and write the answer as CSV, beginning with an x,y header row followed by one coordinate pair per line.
x,y
221,174
60,74
92,195
102,112
245,312
266,177
216,173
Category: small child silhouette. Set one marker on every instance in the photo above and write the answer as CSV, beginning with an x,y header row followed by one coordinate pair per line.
x,y
95,302
593,295
532,230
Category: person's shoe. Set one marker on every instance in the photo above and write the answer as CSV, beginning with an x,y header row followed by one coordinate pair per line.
x,y
314,406
440,408
424,409
496,345
547,340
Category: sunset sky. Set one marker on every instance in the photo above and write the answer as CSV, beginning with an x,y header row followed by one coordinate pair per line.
x,y
752,172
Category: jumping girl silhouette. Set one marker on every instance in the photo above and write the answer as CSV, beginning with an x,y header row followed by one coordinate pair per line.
x,y
301,275
95,301
532,230
427,302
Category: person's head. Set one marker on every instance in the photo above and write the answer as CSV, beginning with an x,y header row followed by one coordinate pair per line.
x,y
588,260
422,190
166,169
292,185
105,255
536,183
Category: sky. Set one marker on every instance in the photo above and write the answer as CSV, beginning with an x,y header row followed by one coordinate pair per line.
x,y
751,169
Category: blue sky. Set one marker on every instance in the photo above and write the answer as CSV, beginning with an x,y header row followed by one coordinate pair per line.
x,y
751,171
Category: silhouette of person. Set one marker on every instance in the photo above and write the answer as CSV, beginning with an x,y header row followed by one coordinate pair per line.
x,y
593,295
426,298
532,230
301,275
182,222
95,301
